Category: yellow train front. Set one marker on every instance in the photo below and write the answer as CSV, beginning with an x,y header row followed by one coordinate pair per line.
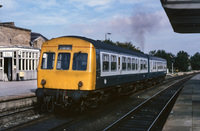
x,y
66,72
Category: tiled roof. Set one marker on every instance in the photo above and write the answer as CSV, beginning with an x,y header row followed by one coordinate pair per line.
x,y
36,35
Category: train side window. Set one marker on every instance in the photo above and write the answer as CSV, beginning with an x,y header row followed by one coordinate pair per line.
x,y
80,61
119,63
129,64
141,65
133,63
145,64
105,62
137,63
63,61
154,65
48,60
113,63
123,63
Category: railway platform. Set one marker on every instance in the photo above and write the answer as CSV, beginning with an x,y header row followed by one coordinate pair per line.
x,y
15,89
185,115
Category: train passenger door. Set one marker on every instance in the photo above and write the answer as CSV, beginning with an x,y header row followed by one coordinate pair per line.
x,y
98,68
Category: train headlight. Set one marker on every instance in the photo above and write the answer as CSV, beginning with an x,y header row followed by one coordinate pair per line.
x,y
43,82
80,84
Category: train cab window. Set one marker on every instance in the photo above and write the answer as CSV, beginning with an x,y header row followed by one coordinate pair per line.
x,y
123,63
48,60
105,62
80,61
129,64
63,61
133,63
113,63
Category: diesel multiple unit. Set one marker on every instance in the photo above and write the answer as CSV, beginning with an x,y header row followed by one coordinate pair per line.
x,y
75,69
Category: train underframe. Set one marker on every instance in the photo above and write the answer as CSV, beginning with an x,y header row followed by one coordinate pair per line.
x,y
49,99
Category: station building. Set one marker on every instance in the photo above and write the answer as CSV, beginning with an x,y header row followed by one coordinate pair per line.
x,y
19,52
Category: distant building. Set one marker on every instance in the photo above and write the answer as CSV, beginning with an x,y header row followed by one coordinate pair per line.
x,y
11,35
19,52
37,39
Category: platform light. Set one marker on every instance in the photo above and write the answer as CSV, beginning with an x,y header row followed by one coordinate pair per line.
x,y
106,35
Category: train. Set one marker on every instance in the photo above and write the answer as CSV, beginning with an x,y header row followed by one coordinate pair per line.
x,y
75,70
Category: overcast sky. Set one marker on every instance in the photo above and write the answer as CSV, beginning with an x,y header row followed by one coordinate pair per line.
x,y
143,22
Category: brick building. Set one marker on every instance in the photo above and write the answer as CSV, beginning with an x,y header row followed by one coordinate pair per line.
x,y
18,54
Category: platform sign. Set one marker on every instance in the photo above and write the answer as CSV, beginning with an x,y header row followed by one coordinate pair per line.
x,y
7,54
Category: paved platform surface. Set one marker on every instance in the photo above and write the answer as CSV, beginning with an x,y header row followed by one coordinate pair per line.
x,y
185,115
16,88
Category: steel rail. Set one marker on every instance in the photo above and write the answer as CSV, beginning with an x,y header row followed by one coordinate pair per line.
x,y
139,106
167,105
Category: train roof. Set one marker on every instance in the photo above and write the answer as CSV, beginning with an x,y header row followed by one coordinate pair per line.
x,y
156,58
110,47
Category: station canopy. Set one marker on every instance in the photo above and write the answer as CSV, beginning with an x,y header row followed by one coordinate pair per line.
x,y
184,15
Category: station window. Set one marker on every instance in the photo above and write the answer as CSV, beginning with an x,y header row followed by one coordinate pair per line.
x,y
30,64
23,64
80,61
129,64
33,63
14,54
105,62
48,60
14,62
23,54
63,61
133,63
113,63
123,63
26,64
20,64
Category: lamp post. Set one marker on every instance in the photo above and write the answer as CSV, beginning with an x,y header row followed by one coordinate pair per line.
x,y
106,35
0,7
172,60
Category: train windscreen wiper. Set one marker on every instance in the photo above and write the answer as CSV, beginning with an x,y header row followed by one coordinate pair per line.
x,y
77,55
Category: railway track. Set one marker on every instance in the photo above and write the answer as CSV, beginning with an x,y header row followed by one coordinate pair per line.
x,y
12,110
147,115
61,123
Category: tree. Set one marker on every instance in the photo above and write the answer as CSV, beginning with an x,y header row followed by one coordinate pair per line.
x,y
126,45
195,61
182,61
